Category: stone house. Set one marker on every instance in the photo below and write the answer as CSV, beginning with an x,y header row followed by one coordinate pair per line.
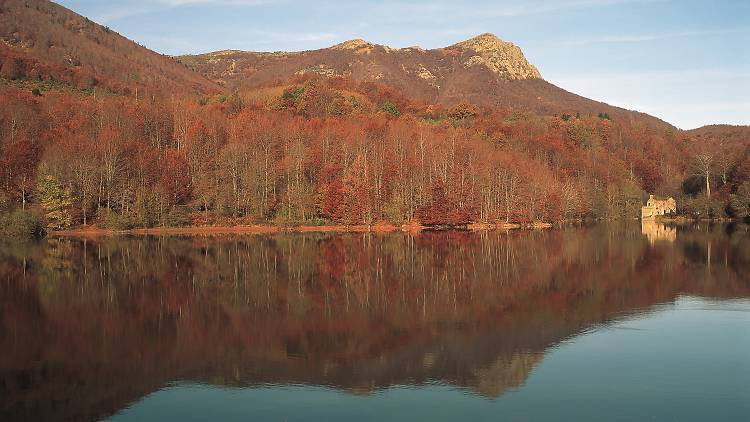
x,y
658,206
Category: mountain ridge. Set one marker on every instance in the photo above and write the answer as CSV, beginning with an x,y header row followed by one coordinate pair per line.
x,y
483,69
496,75
503,57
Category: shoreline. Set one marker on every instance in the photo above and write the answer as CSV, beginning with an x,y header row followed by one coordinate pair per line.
x,y
93,231
379,228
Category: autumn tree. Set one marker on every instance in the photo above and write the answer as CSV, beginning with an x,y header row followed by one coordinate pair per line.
x,y
55,201
463,112
358,193
12,68
334,149
175,180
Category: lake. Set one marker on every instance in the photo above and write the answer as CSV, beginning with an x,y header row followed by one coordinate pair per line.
x,y
623,322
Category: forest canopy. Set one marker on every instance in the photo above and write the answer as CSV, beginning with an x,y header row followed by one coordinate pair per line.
x,y
316,151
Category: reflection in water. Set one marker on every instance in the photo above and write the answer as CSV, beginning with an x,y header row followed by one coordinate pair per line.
x,y
655,231
88,326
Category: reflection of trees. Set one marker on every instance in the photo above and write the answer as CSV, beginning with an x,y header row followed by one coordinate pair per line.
x,y
89,325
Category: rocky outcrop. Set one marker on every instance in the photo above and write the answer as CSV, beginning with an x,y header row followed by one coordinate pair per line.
x,y
503,58
356,44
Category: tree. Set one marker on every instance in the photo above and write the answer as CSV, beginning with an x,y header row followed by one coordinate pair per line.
x,y
463,111
390,108
740,201
336,150
12,68
56,202
175,178
358,192
435,212
726,158
21,122
290,98
333,203
18,161
703,165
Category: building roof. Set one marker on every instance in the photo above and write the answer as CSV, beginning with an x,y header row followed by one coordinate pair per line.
x,y
660,198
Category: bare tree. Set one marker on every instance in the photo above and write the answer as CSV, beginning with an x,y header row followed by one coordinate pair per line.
x,y
726,158
703,162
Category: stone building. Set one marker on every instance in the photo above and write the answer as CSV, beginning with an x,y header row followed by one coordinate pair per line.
x,y
658,206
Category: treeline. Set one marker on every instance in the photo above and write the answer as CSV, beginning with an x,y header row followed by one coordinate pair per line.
x,y
332,151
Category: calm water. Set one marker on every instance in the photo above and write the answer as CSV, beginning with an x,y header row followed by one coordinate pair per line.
x,y
607,323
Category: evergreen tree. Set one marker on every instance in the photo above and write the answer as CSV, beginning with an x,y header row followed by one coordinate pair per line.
x,y
56,203
391,109
740,201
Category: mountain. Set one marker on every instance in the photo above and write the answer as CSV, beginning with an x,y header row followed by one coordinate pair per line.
x,y
484,70
42,40
354,134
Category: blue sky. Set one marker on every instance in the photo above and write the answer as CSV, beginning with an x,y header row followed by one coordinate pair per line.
x,y
687,62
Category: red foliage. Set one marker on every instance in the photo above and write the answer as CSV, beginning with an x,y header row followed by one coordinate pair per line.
x,y
175,179
260,164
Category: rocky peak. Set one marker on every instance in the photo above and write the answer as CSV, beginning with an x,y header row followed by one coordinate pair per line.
x,y
501,57
484,43
354,44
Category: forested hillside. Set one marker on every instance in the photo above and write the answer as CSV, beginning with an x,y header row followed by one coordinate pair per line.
x,y
43,42
483,70
331,150
314,148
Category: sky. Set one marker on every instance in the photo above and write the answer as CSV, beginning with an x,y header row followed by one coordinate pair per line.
x,y
685,61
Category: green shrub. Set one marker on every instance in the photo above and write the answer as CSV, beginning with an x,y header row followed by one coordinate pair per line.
x,y
115,221
145,211
317,221
701,207
391,109
740,201
21,223
291,97
179,216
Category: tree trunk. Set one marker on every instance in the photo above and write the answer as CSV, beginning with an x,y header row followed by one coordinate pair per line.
x,y
83,208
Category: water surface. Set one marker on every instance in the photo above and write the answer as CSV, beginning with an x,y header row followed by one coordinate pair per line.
x,y
598,323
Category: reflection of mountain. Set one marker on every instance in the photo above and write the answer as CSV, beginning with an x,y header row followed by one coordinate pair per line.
x,y
89,326
506,372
